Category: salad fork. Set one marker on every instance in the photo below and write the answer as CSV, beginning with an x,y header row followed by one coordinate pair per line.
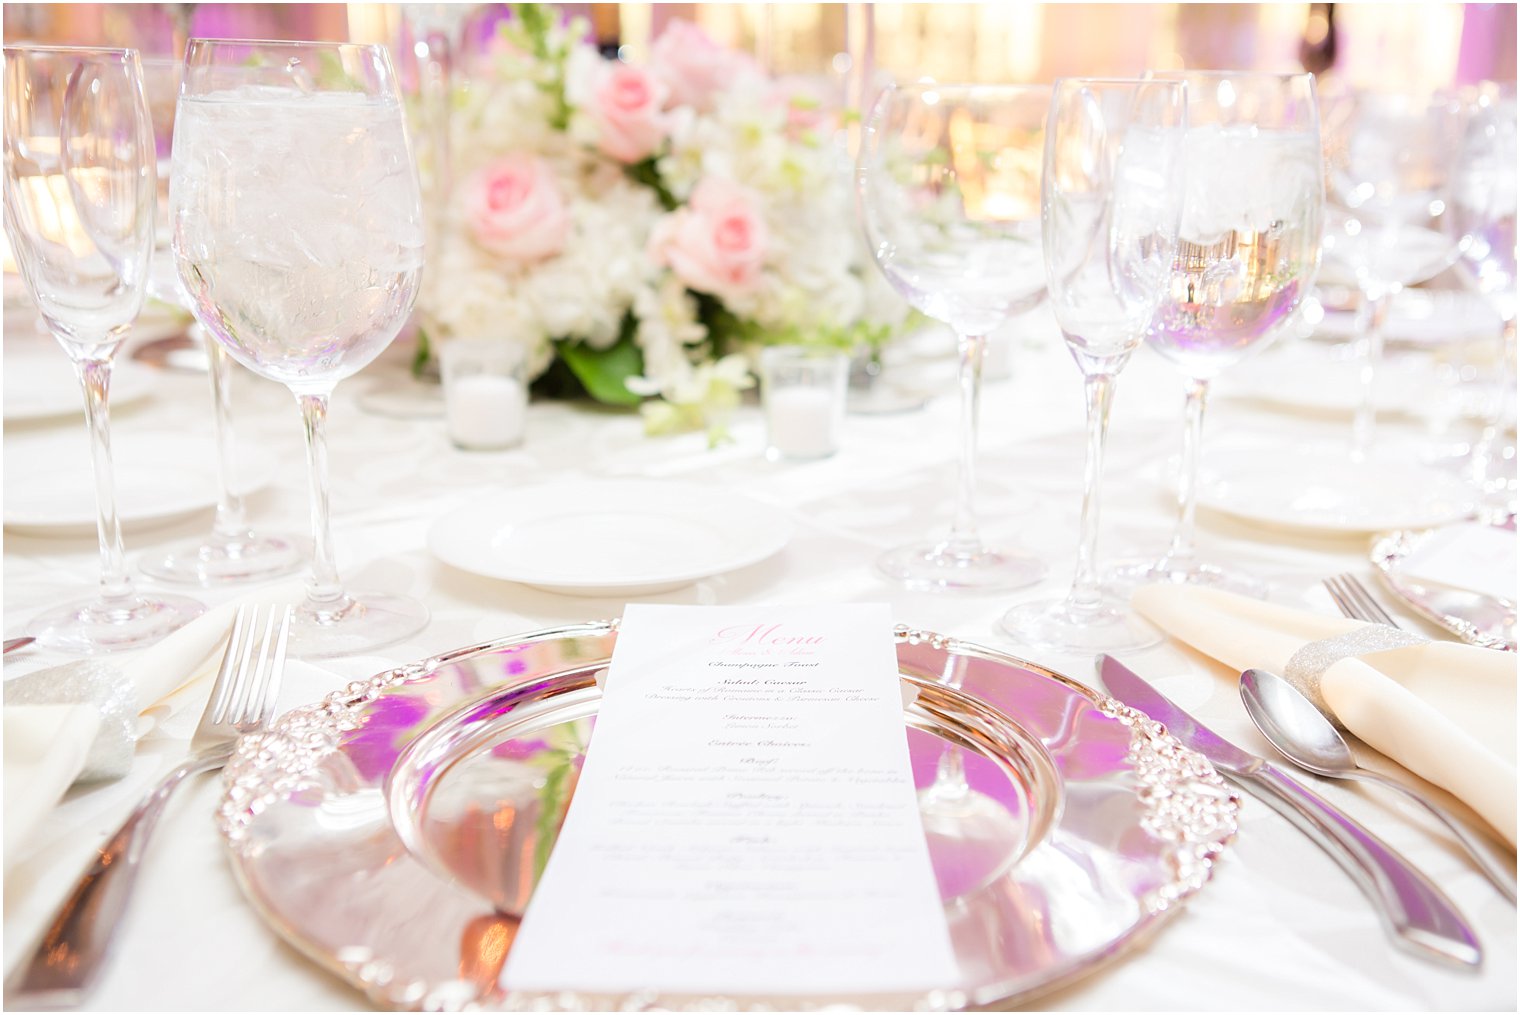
x,y
72,952
1354,600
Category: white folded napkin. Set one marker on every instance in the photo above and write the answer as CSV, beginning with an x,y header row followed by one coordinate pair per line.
x,y
80,721
45,747
1444,711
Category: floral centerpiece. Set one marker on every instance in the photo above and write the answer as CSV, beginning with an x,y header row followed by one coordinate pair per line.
x,y
643,230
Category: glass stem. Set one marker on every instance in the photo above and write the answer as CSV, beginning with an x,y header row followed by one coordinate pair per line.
x,y
1370,315
230,523
964,541
1488,450
95,377
1179,556
323,589
1086,593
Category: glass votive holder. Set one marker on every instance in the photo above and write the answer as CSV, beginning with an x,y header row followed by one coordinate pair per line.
x,y
485,392
802,391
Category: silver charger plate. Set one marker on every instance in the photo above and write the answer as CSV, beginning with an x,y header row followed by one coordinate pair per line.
x,y
1475,617
393,832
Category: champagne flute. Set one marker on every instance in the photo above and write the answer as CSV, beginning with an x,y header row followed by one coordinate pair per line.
x,y
1113,156
1483,202
298,237
1247,253
231,552
948,181
79,206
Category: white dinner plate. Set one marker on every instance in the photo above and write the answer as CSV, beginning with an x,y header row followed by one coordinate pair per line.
x,y
1321,489
614,536
1308,376
40,383
50,485
1421,318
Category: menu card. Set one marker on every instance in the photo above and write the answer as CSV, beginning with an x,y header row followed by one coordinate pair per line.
x,y
745,822
1469,555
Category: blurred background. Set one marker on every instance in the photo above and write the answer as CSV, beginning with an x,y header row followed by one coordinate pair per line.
x,y
1376,45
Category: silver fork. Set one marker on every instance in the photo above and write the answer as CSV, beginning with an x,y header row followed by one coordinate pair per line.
x,y
1354,601
65,963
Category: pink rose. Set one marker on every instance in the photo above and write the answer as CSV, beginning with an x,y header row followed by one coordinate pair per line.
x,y
516,210
716,244
694,67
626,105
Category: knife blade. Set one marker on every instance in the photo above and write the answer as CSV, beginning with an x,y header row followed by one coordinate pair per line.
x,y
1414,912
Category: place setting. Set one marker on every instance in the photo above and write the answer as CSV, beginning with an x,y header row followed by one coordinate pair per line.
x,y
649,622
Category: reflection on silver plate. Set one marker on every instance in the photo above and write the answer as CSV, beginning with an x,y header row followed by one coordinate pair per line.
x,y
393,832
1475,617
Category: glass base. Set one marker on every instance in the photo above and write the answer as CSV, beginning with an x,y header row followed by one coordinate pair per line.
x,y
973,839
935,567
354,624
1130,575
93,626
1060,625
228,560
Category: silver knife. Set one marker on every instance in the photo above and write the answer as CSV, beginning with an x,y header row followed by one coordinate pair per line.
x,y
1414,912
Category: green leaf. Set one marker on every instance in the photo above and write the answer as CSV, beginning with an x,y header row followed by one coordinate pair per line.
x,y
647,172
605,372
551,810
423,354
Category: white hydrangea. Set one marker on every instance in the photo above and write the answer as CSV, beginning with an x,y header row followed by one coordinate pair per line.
x,y
816,276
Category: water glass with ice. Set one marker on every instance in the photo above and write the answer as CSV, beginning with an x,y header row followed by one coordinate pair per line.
x,y
298,236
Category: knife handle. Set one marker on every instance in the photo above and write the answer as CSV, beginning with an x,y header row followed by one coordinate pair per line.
x,y
1415,912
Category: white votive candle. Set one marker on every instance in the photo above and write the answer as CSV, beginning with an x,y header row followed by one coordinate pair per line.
x,y
802,422
486,411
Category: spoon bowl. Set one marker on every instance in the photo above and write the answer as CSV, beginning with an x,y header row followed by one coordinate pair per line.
x,y
1308,738
1293,725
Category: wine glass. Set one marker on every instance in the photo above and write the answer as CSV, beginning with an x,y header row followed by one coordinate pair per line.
x,y
79,205
1248,250
1388,162
298,237
231,552
1483,202
1113,157
948,181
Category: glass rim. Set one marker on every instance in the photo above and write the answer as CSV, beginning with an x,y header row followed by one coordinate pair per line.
x,y
1183,73
1119,80
117,52
198,41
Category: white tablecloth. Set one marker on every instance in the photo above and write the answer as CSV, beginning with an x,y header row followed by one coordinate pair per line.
x,y
1279,926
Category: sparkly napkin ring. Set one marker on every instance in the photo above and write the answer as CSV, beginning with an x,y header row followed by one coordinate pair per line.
x,y
1307,665
88,682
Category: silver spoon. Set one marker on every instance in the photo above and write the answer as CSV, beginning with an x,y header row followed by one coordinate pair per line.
x,y
1307,738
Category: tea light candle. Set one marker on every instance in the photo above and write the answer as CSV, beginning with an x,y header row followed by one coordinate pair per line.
x,y
486,411
802,422
803,392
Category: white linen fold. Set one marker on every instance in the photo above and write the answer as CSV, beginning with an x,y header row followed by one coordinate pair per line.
x,y
1444,711
80,721
45,748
